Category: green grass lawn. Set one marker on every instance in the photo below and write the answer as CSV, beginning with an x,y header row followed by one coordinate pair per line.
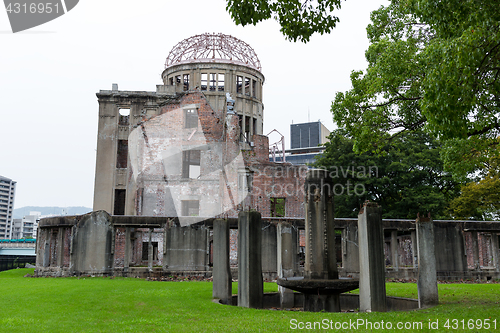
x,y
135,305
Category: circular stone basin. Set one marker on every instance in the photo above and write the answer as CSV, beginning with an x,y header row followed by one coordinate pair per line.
x,y
318,286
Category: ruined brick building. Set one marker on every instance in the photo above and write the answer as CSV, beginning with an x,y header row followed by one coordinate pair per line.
x,y
169,161
179,152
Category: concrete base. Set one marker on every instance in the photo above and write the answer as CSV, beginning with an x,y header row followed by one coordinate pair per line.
x,y
320,295
318,303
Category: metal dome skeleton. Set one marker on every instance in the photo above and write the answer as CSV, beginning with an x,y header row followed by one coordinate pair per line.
x,y
213,48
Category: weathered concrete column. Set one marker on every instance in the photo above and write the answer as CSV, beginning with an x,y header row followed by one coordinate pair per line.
x,y
287,260
414,248
113,244
250,283
60,248
371,259
475,250
46,252
494,251
222,282
269,250
126,260
427,275
394,250
321,254
150,250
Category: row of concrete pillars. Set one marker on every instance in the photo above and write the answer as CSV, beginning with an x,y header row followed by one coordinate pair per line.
x,y
372,290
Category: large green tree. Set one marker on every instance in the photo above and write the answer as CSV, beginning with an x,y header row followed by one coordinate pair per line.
x,y
405,179
432,65
299,19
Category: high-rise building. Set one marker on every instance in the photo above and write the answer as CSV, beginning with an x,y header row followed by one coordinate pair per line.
x,y
7,193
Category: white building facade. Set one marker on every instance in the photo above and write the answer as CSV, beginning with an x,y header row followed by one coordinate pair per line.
x,y
7,194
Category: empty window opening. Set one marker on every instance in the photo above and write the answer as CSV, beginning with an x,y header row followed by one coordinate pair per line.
x,y
178,80
247,128
204,81
186,82
213,81
254,88
122,154
145,251
240,123
124,116
171,81
119,208
254,125
247,86
191,118
191,164
277,207
239,84
190,208
220,82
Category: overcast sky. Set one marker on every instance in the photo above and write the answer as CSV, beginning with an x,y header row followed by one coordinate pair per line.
x,y
49,76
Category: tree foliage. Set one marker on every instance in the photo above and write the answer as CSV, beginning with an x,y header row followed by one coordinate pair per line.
x,y
406,179
479,200
432,65
299,19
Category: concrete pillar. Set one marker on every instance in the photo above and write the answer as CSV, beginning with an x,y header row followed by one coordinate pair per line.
x,y
150,251
475,250
394,250
371,259
60,247
126,260
494,251
250,283
427,275
222,282
350,250
321,256
287,260
165,233
269,251
113,244
414,248
46,251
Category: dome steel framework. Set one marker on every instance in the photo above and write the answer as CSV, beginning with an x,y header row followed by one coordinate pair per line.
x,y
213,48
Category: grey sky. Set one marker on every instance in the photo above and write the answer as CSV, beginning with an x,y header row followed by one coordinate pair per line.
x,y
49,76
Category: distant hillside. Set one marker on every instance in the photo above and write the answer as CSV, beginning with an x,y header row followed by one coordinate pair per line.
x,y
20,212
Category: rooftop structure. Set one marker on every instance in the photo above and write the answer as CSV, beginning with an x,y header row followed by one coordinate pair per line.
x,y
213,48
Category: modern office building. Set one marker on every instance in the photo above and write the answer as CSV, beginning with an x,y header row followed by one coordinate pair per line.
x,y
307,135
306,142
7,193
